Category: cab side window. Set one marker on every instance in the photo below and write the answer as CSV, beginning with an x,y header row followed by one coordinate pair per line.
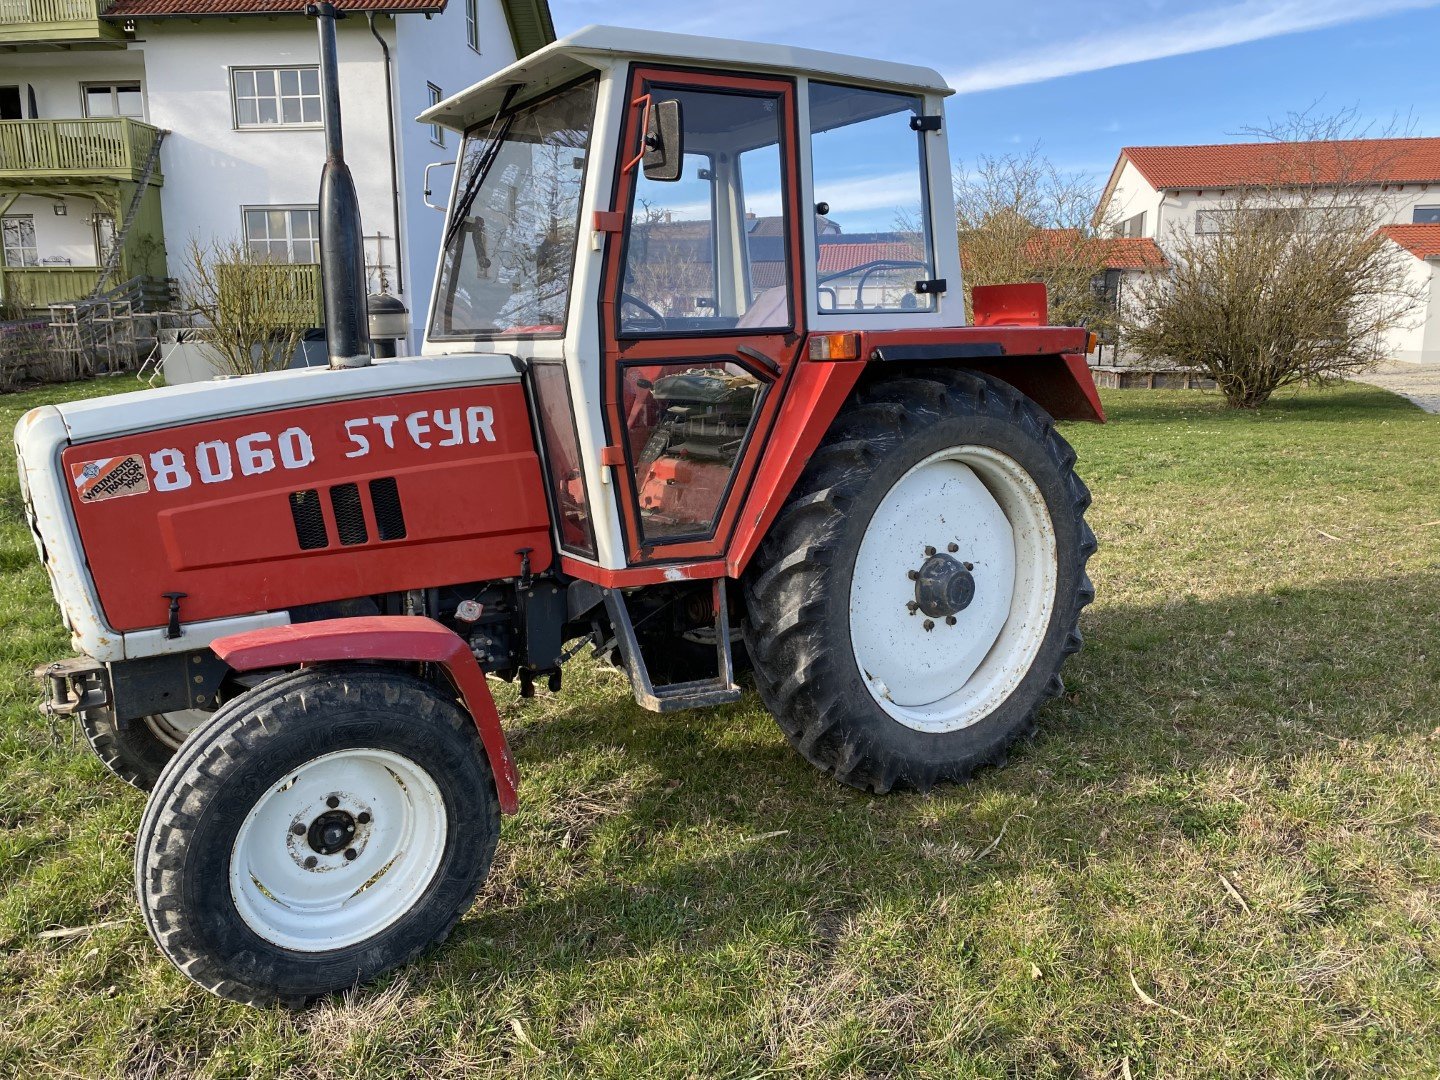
x,y
872,207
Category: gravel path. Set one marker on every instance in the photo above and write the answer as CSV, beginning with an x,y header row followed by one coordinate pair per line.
x,y
1420,384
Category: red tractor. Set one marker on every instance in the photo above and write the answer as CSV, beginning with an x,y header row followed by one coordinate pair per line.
x,y
698,390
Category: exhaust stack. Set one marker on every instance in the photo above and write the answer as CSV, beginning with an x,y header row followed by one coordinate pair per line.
x,y
342,247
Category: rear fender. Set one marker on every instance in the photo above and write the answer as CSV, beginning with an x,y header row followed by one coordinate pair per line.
x,y
384,637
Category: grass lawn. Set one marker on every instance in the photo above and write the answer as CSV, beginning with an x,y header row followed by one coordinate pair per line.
x,y
1221,855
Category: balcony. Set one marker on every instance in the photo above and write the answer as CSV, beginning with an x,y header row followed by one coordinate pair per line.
x,y
273,293
35,287
41,152
55,22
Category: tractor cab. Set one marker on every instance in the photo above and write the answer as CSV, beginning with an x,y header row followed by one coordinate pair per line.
x,y
663,227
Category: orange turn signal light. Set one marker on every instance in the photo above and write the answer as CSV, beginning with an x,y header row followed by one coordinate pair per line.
x,y
835,347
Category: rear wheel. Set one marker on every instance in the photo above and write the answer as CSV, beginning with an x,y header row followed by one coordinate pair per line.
x,y
319,830
914,602
138,752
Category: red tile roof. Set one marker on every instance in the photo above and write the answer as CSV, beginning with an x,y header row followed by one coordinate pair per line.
x,y
834,258
142,9
1114,253
1422,241
1132,253
1388,161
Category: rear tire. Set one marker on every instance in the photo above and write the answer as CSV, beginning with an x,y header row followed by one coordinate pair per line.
x,y
321,829
139,752
942,486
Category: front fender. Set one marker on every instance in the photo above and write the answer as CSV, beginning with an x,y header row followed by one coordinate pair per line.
x,y
384,637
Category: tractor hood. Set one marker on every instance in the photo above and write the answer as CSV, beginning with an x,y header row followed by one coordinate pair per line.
x,y
251,496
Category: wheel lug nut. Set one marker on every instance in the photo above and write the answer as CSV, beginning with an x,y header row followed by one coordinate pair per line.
x,y
968,565
952,548
949,620
912,574
363,818
298,829
310,862
351,854
929,624
912,607
332,802
929,551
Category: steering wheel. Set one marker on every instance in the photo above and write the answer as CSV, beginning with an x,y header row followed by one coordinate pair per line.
x,y
656,321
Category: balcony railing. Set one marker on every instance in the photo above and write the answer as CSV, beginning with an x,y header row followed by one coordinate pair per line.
x,y
42,21
33,287
34,150
277,294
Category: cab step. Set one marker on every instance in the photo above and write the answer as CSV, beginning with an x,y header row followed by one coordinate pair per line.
x,y
672,697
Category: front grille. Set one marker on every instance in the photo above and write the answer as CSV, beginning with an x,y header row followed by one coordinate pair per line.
x,y
309,520
349,517
389,518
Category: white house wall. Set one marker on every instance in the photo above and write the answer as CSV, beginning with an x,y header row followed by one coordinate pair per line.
x,y
56,78
1418,342
213,169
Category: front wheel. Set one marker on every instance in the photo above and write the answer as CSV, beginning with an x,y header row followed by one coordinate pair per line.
x,y
912,605
319,830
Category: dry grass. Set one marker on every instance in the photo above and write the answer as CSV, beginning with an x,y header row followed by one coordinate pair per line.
x,y
1220,857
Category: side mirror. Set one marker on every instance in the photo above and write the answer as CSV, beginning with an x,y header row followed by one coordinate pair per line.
x,y
664,155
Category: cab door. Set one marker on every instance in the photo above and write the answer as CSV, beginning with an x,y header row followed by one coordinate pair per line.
x,y
701,309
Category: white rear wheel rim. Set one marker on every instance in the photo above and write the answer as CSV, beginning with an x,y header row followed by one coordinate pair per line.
x,y
311,899
173,728
981,508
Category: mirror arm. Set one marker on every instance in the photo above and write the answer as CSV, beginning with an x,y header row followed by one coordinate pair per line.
x,y
645,100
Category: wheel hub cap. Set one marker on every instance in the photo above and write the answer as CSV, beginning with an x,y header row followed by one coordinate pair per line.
x,y
944,586
331,832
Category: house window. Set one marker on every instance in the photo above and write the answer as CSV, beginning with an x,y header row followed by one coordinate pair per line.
x,y
472,23
19,235
113,99
1427,215
437,133
284,233
1132,226
276,97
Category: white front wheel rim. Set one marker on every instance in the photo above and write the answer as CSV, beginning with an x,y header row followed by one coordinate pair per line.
x,y
980,508
379,821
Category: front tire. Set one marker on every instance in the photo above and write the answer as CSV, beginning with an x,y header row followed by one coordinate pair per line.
x,y
320,830
913,604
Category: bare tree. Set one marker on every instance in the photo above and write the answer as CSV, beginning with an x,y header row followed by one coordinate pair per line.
x,y
1289,279
255,308
1021,219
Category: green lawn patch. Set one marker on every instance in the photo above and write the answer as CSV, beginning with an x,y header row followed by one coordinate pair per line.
x,y
1220,856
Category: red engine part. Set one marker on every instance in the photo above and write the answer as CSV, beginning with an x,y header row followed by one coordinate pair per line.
x,y
321,502
681,491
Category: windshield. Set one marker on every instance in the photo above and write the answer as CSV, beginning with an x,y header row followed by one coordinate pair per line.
x,y
509,247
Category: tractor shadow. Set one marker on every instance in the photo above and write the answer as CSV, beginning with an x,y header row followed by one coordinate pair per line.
x,y
641,833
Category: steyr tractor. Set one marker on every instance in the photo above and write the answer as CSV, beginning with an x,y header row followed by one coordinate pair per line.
x,y
698,390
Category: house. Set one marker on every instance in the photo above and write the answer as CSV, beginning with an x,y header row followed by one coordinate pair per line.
x,y
129,127
1155,191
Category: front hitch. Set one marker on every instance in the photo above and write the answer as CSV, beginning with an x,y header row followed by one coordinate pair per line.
x,y
73,686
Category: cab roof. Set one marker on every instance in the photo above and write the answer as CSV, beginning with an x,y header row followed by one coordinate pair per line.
x,y
597,47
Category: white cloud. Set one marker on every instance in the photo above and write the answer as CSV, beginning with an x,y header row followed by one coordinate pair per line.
x,y
1196,31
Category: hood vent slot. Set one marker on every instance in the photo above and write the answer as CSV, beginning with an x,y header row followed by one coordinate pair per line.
x,y
309,520
349,517
389,518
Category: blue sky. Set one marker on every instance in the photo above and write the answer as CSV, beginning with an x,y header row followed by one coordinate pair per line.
x,y
1084,77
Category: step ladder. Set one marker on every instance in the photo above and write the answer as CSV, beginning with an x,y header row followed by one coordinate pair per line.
x,y
698,693
117,245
